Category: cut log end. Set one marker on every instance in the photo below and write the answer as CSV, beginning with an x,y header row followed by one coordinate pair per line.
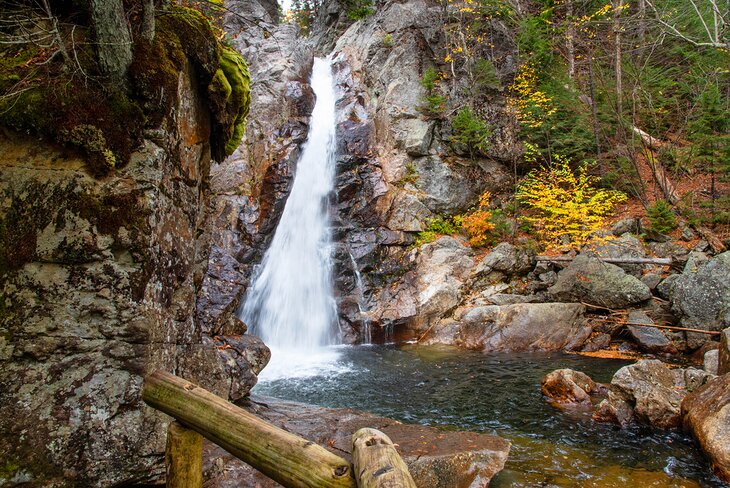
x,y
377,462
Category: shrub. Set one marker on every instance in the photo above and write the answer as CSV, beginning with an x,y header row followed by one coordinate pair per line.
x,y
388,40
478,224
662,217
566,203
438,226
471,131
435,101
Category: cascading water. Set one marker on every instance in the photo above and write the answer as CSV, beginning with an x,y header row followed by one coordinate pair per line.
x,y
290,304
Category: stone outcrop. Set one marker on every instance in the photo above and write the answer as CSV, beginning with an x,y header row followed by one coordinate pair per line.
x,y
99,279
706,414
650,392
649,339
590,280
700,297
435,458
518,327
248,190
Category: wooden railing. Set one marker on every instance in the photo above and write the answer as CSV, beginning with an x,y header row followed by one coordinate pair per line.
x,y
288,459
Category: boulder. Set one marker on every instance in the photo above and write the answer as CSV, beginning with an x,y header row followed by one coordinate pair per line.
x,y
518,327
706,414
626,246
565,387
723,360
650,392
441,268
710,361
590,280
596,342
629,225
508,259
700,297
649,339
435,458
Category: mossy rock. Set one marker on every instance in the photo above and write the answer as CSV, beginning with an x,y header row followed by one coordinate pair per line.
x,y
55,102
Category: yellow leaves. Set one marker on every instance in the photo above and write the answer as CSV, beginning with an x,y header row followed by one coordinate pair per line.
x,y
531,105
478,224
566,203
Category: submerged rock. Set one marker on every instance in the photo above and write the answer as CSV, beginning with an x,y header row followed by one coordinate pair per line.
x,y
590,280
518,327
435,458
706,414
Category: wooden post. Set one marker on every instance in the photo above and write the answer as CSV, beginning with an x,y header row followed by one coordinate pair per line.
x,y
183,457
376,462
284,457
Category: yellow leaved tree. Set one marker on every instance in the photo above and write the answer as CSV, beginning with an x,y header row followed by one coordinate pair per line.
x,y
566,203
477,223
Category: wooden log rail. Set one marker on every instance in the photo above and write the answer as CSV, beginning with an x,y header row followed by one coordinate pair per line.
x,y
288,459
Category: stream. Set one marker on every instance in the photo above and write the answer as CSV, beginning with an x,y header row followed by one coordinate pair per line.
x,y
500,394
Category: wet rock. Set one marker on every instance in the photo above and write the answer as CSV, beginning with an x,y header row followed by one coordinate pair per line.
x,y
700,297
435,458
650,392
567,387
723,362
587,279
706,414
649,339
519,327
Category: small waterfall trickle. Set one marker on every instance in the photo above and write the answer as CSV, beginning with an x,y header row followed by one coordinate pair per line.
x,y
290,303
367,336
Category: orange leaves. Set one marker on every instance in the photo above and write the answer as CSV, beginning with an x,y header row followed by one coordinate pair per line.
x,y
478,224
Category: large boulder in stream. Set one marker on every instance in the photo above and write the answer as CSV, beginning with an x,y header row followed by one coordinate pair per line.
x,y
706,414
517,327
649,391
566,387
588,279
435,458
700,297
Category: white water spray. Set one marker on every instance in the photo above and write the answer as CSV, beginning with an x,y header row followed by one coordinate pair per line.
x,y
290,304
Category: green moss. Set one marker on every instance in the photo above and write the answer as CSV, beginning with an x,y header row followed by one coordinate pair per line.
x,y
236,73
55,102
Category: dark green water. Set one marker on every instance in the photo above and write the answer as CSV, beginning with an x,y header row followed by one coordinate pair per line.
x,y
500,394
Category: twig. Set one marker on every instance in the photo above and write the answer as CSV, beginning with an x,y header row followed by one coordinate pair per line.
x,y
669,327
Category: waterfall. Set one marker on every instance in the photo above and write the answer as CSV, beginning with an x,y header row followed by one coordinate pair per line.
x,y
367,336
290,303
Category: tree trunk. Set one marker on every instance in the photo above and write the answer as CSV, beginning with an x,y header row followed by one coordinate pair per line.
x,y
112,36
183,457
660,176
148,20
618,7
376,462
569,38
594,107
284,457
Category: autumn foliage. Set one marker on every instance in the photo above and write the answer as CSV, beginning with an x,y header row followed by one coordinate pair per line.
x,y
566,203
478,223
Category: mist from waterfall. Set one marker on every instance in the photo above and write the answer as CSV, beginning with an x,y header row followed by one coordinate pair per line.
x,y
290,303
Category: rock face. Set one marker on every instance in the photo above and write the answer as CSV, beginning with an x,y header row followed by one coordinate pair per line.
x,y
248,190
98,280
565,387
650,392
393,172
700,297
706,414
435,458
590,280
518,327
